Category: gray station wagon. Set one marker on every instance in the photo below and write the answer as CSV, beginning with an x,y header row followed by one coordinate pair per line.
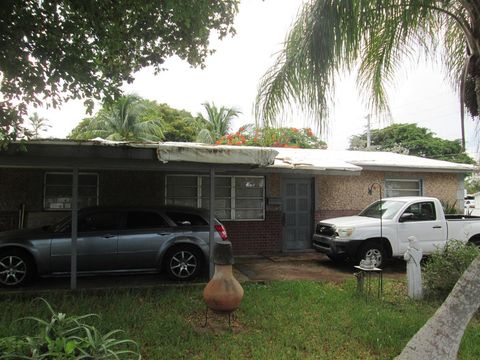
x,y
174,239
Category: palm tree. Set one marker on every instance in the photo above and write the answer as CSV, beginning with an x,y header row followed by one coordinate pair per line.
x,y
38,124
332,36
216,124
122,121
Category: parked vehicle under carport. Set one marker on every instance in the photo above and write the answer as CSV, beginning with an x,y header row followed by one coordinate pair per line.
x,y
174,239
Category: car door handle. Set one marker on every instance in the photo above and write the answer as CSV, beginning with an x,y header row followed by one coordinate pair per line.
x,y
163,233
437,227
108,236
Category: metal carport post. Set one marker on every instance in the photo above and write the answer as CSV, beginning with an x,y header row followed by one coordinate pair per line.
x,y
73,262
211,234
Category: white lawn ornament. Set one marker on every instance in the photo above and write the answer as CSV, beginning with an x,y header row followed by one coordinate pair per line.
x,y
413,256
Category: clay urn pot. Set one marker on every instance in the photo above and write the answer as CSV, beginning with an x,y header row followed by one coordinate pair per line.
x,y
223,293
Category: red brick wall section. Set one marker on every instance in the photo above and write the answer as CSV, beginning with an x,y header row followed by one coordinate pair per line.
x,y
328,214
254,237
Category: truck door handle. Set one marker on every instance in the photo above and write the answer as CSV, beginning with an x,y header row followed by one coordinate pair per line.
x,y
437,227
108,236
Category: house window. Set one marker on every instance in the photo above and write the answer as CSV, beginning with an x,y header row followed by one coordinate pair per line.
x,y
236,197
58,190
403,187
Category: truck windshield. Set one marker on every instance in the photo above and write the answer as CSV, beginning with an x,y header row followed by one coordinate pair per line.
x,y
388,209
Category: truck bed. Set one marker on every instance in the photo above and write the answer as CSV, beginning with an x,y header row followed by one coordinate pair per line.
x,y
461,217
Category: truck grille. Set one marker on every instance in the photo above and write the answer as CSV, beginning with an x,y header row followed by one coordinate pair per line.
x,y
326,230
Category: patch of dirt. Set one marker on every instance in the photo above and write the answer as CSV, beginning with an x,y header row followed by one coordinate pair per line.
x,y
216,323
307,266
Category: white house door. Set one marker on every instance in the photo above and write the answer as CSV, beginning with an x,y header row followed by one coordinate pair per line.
x,y
297,214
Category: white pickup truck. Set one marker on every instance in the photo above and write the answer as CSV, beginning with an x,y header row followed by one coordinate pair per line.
x,y
382,229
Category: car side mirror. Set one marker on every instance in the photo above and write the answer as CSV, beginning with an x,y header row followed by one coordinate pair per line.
x,y
406,217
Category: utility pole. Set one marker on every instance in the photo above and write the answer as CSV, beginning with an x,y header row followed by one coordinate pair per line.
x,y
368,130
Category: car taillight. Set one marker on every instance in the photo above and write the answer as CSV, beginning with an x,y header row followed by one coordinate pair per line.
x,y
221,231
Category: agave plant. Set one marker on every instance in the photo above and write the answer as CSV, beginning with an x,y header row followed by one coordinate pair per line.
x,y
67,337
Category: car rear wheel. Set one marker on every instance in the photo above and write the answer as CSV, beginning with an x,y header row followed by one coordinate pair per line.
x,y
16,268
373,250
183,263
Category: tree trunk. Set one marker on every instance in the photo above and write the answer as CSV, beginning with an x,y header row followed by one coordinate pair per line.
x,y
477,92
440,337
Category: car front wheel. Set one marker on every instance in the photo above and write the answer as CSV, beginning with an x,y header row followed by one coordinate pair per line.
x,y
183,263
16,268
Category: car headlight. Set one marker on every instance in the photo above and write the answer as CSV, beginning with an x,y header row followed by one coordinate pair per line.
x,y
344,232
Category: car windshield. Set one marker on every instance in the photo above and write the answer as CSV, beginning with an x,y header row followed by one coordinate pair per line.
x,y
388,209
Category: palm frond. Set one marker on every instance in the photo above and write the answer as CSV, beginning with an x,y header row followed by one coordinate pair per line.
x,y
330,37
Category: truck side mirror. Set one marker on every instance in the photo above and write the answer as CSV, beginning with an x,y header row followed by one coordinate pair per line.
x,y
406,217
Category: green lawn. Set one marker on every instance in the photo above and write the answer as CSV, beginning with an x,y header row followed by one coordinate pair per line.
x,y
279,320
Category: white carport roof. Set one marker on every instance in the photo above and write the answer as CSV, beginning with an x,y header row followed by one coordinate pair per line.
x,y
283,159
393,161
214,154
311,160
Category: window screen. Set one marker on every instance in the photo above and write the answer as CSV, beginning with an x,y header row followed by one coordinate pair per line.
x,y
403,187
182,190
249,198
58,190
223,196
236,197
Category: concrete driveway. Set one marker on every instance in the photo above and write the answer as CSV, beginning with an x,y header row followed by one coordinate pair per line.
x,y
304,266
267,267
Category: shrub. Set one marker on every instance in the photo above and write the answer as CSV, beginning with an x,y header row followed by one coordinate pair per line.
x,y
250,135
449,208
444,267
67,337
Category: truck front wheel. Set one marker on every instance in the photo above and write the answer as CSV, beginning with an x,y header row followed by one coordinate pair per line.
x,y
373,250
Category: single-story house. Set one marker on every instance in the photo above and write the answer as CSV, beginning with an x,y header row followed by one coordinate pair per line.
x,y
268,199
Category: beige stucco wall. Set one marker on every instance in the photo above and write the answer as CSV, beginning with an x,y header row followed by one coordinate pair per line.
x,y
350,192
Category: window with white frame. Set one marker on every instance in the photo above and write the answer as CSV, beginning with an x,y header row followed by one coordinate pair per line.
x,y
58,190
236,197
403,187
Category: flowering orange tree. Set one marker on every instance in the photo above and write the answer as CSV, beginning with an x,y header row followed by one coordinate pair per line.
x,y
273,137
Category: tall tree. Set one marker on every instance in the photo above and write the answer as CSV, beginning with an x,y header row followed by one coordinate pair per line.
x,y
175,125
216,124
54,51
413,140
38,125
332,36
122,121
179,125
440,337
